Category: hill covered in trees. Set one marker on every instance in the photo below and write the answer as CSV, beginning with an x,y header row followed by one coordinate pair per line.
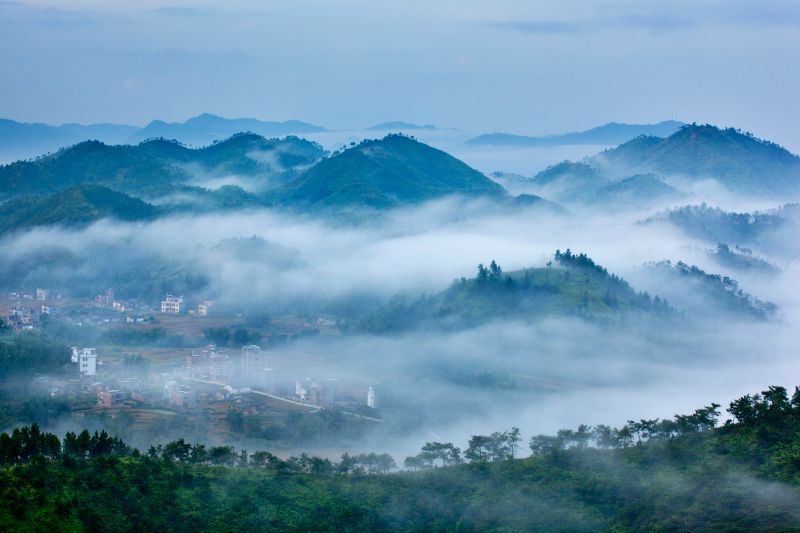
x,y
571,284
154,163
738,160
682,474
694,290
766,230
392,171
73,207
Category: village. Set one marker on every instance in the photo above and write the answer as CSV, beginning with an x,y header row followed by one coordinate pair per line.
x,y
200,381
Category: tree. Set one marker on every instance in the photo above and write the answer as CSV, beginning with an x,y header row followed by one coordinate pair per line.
x,y
178,451
513,441
222,455
543,444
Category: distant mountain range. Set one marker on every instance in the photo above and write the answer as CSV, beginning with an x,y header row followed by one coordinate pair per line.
x,y
399,125
608,134
20,140
206,128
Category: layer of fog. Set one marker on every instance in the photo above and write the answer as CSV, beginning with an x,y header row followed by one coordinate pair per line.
x,y
566,371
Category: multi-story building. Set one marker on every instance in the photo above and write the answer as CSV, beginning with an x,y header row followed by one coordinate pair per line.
x,y
205,308
171,304
42,294
105,300
86,359
251,359
110,398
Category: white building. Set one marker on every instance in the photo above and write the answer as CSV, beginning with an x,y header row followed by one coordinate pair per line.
x,y
371,398
42,294
171,304
205,308
86,359
251,359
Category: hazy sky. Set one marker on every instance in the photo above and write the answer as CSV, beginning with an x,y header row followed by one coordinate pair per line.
x,y
524,66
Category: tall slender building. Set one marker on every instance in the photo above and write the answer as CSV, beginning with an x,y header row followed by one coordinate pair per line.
x,y
251,359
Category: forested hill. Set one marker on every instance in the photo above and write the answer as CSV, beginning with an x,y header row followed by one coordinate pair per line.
x,y
681,474
738,160
72,207
153,163
572,284
392,171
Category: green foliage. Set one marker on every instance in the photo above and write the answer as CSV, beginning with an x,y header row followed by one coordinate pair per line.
x,y
738,160
151,163
578,288
76,206
395,170
686,476
30,353
721,291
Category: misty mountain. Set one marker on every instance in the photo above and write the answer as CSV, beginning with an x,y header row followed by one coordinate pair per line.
x,y
21,140
179,197
76,206
739,161
742,259
765,229
206,128
637,191
581,184
154,163
392,171
693,290
608,134
571,285
399,125
569,182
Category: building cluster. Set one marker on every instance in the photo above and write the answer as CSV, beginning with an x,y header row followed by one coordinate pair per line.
x,y
20,318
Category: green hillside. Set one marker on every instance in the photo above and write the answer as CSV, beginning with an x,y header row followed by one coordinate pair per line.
x,y
570,285
75,206
738,160
680,474
154,163
392,171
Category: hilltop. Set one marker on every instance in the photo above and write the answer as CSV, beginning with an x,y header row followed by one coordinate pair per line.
x,y
738,160
392,171
571,284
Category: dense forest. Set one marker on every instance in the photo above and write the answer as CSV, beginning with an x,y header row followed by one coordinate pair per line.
x,y
680,474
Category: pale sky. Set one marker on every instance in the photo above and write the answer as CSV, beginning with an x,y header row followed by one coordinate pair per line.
x,y
522,66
